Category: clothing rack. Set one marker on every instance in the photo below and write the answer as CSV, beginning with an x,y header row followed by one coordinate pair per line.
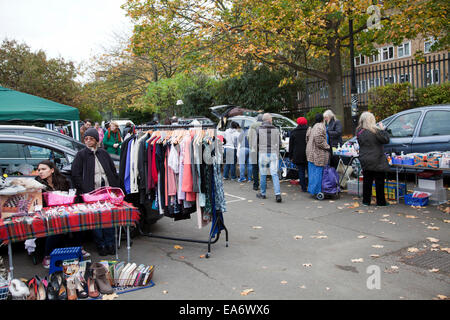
x,y
219,223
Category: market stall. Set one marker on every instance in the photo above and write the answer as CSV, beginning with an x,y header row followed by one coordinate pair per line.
x,y
23,217
428,168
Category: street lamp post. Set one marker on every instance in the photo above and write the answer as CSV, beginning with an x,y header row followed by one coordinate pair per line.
x,y
354,91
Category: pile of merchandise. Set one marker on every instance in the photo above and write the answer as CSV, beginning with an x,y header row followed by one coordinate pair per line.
x,y
432,160
348,149
83,279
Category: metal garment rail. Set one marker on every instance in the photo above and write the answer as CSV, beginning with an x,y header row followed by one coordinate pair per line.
x,y
219,217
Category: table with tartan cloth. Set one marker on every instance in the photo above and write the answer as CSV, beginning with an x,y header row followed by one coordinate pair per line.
x,y
37,226
23,228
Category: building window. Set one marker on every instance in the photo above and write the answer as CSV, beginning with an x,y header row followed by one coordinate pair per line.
x,y
404,78
404,50
389,79
374,82
323,92
428,44
432,76
374,58
360,60
361,86
387,53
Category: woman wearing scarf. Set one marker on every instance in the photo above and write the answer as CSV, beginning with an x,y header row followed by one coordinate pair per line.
x,y
112,139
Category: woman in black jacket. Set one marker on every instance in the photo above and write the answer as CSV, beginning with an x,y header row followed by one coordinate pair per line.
x,y
371,156
297,150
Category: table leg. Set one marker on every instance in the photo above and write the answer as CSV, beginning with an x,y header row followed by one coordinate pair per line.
x,y
116,242
11,266
396,176
128,243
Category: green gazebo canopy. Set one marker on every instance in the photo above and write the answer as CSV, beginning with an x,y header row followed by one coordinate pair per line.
x,y
19,106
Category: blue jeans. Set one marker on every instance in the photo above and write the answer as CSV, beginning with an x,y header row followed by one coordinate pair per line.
x,y
302,176
244,162
230,163
104,237
268,164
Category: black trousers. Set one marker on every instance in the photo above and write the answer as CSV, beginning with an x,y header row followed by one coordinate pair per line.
x,y
368,178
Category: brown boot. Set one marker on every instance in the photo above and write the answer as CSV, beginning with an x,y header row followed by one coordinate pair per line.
x,y
101,279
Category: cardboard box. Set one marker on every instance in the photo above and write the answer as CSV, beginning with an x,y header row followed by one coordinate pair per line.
x,y
25,202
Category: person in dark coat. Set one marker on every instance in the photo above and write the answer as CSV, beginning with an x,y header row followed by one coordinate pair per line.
x,y
371,156
297,150
334,131
93,168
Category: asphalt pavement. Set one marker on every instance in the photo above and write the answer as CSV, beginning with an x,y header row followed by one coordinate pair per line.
x,y
300,248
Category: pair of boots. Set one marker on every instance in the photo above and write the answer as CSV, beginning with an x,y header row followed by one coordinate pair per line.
x,y
98,280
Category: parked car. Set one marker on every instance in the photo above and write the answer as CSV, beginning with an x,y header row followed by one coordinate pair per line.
x,y
246,118
20,155
423,129
46,134
42,133
202,120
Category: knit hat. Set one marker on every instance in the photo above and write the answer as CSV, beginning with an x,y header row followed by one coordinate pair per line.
x,y
91,132
302,121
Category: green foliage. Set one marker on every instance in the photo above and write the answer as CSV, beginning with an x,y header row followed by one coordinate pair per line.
x,y
434,94
310,116
33,73
259,89
390,99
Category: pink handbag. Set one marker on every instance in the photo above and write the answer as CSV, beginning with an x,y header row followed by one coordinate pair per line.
x,y
113,194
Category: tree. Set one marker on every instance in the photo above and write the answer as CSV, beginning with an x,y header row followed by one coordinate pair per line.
x,y
307,36
259,88
33,73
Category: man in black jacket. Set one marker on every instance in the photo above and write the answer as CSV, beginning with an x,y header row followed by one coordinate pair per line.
x,y
93,168
297,150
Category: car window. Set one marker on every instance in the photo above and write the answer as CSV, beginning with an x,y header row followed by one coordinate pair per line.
x,y
247,123
9,150
14,162
282,123
404,125
436,123
50,137
10,132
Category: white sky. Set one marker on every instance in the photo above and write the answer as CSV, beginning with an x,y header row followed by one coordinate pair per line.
x,y
72,29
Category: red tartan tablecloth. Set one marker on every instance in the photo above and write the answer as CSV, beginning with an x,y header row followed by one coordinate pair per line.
x,y
23,228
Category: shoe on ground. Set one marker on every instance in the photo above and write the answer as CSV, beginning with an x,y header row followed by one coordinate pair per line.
x,y
46,262
278,198
366,204
383,205
242,180
261,196
256,188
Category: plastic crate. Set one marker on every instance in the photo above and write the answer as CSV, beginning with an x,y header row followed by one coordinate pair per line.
x,y
352,187
417,202
60,254
4,291
390,190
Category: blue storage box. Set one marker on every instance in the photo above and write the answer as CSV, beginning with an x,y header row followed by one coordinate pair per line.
x,y
410,201
409,162
60,254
